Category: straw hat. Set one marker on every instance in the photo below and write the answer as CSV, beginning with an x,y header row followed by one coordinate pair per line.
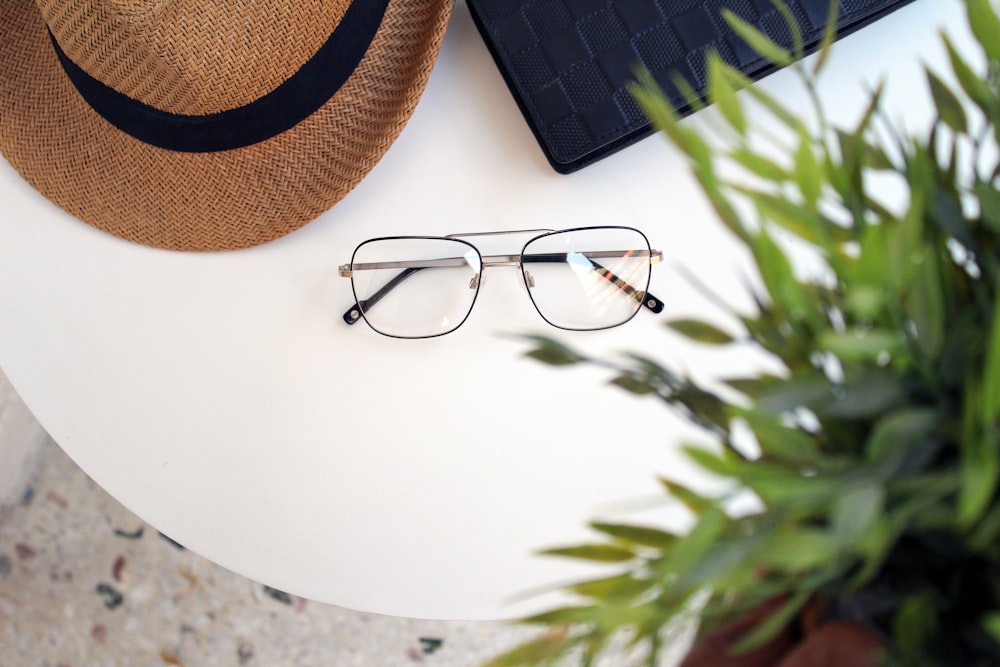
x,y
207,124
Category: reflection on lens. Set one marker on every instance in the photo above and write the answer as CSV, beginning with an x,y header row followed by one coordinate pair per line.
x,y
591,278
412,287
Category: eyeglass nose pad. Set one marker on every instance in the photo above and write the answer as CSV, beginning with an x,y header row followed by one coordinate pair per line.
x,y
529,281
476,281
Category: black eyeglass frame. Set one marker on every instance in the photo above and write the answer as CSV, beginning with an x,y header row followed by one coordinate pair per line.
x,y
409,267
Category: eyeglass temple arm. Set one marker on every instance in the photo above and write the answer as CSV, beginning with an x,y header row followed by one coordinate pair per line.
x,y
649,300
353,313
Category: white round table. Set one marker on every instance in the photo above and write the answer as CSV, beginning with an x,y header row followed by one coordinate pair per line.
x,y
222,398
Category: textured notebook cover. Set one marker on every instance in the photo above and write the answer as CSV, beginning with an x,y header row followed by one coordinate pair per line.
x,y
568,63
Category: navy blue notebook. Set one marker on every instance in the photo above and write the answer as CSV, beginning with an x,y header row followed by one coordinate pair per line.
x,y
569,63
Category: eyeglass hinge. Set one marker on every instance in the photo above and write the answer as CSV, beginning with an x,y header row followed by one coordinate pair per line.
x,y
345,271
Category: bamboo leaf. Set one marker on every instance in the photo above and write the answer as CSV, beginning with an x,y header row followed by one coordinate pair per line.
x,y
758,41
780,442
948,106
979,466
972,83
914,621
797,549
565,616
721,92
692,547
533,653
640,535
619,587
808,173
699,331
991,372
758,164
553,352
779,278
854,512
633,384
900,431
829,37
862,345
772,625
710,461
723,558
989,206
927,306
794,29
692,500
985,26
603,553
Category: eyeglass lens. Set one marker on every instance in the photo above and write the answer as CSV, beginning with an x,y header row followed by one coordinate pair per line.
x,y
423,286
591,278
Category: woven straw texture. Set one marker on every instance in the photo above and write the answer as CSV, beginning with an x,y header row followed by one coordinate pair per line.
x,y
202,63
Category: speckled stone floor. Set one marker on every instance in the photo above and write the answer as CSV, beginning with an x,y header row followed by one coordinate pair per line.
x,y
85,583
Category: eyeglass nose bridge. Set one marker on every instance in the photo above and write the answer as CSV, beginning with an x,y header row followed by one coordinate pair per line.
x,y
505,260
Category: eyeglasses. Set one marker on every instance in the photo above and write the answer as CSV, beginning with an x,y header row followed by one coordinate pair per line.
x,y
578,279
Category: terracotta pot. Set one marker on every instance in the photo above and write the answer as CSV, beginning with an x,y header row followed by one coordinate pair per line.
x,y
807,642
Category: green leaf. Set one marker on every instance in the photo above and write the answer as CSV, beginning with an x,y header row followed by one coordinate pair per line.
x,y
989,206
794,29
664,117
553,352
781,395
535,652
795,549
927,307
980,473
758,164
772,625
854,512
914,621
776,271
806,223
634,385
972,83
699,331
602,553
946,211
949,107
618,587
864,395
808,173
780,486
723,558
692,500
782,443
692,548
862,345
710,461
721,92
985,26
979,466
640,535
758,41
562,616
991,372
901,431
991,624
774,107
829,37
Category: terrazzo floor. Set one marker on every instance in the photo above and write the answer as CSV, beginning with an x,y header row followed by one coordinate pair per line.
x,y
85,583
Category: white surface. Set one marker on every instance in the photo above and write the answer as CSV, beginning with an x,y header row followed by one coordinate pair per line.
x,y
221,397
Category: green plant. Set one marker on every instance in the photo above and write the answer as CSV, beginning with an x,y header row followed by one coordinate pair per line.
x,y
876,452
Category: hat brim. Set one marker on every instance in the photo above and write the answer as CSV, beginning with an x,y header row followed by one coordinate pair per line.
x,y
207,201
